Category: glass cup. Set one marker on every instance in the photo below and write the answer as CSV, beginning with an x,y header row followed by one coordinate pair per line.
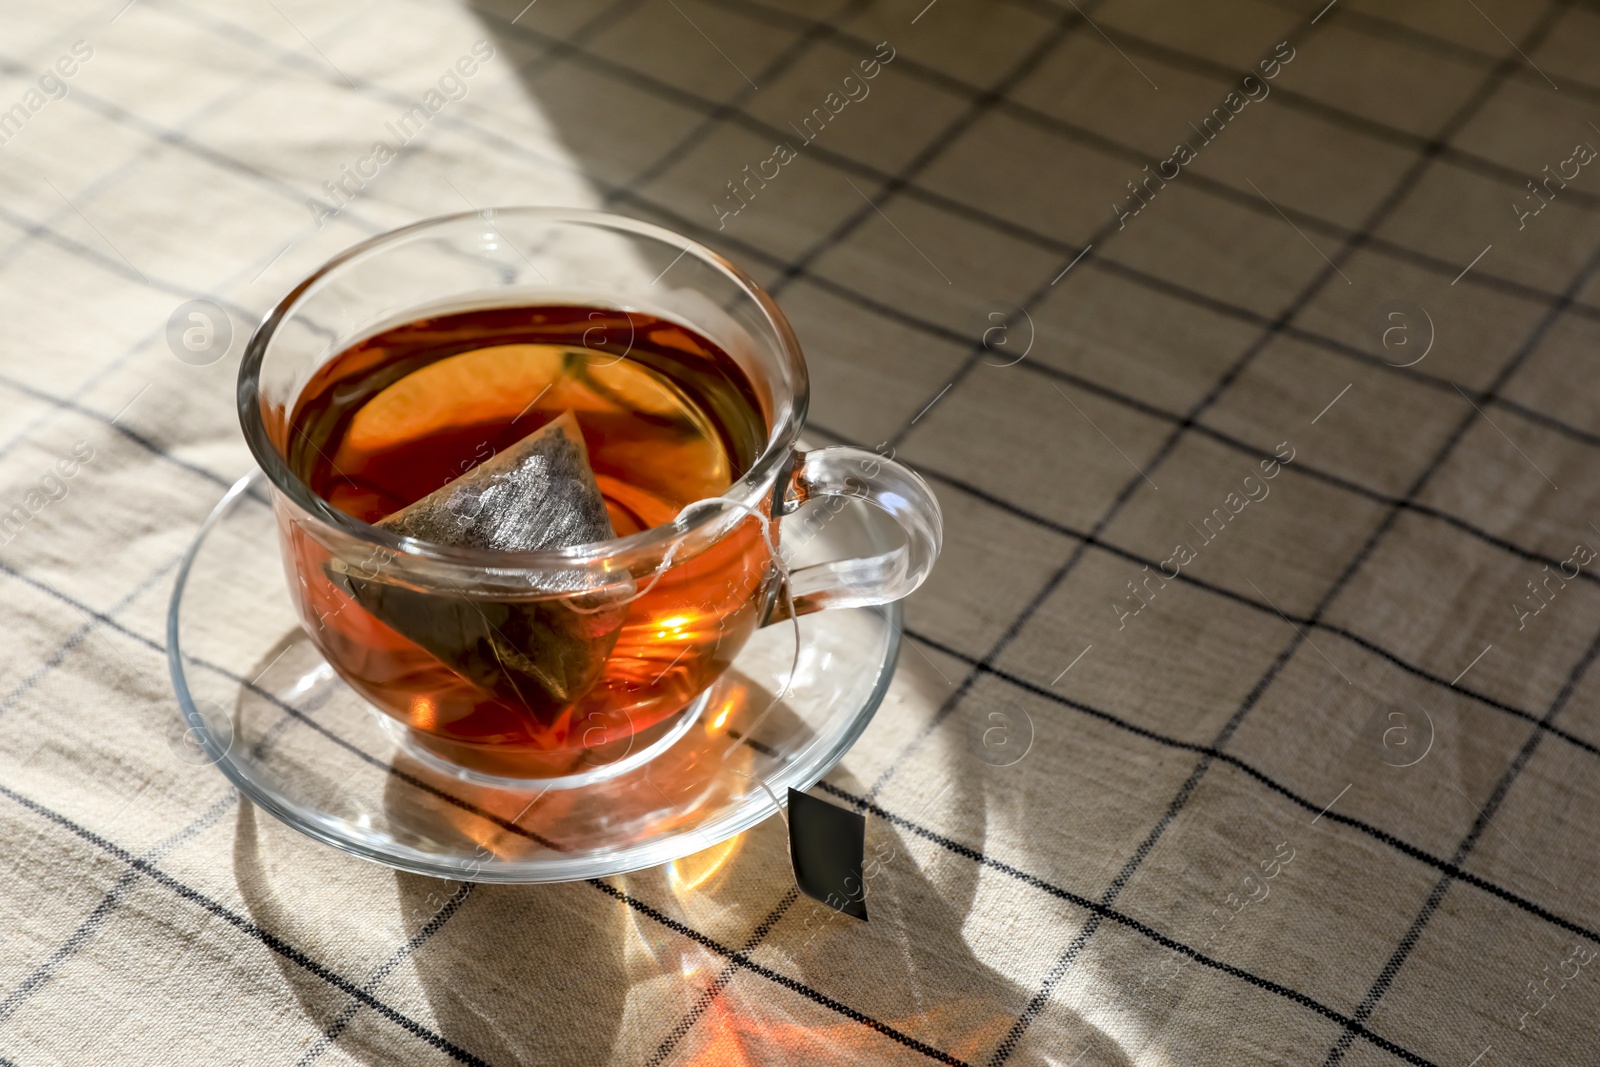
x,y
685,596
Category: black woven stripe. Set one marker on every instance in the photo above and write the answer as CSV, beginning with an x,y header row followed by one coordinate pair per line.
x,y
743,962
1392,968
81,634
1132,486
67,404
1060,575
341,1022
1266,609
978,107
174,137
1402,189
707,996
249,928
1065,23
1550,422
555,45
510,827
100,259
1105,912
109,903
158,135
1310,470
1247,601
1400,33
464,805
383,765
996,672
513,828
1331,113
1041,120
715,115
1106,145
1376,833
1422,41
1413,934
1133,274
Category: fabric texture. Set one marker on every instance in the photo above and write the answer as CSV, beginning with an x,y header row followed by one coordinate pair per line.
x,y
1251,714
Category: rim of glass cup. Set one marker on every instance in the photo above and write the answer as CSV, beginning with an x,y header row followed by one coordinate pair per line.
x,y
774,456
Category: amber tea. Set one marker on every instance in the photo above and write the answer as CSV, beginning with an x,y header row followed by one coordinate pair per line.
x,y
526,428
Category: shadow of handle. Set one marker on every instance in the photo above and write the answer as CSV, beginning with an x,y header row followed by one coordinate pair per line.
x,y
834,477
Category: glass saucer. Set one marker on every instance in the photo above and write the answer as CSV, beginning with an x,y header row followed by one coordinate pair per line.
x,y
257,699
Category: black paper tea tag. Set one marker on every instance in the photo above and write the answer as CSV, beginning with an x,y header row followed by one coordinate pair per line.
x,y
828,845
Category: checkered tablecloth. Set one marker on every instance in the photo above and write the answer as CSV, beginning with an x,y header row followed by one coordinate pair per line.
x,y
1251,715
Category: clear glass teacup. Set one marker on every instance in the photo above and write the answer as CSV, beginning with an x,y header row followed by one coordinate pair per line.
x,y
671,604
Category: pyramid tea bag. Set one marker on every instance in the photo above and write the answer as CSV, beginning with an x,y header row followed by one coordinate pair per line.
x,y
539,493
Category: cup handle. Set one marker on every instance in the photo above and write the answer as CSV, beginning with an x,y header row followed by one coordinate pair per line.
x,y
836,475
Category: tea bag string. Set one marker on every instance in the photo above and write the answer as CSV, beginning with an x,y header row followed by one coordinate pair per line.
x,y
788,602
784,590
662,567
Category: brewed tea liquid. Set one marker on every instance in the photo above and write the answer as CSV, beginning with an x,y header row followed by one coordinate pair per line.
x,y
667,418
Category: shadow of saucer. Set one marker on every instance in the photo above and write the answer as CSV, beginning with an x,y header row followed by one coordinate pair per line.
x,y
521,974
490,968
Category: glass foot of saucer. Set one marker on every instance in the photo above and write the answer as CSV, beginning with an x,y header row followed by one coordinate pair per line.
x,y
256,698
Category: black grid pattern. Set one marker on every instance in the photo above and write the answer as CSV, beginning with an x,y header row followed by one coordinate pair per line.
x,y
572,48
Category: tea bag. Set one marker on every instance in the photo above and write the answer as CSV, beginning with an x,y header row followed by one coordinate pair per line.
x,y
539,493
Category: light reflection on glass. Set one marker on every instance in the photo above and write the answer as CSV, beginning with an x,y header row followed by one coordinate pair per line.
x,y
701,870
